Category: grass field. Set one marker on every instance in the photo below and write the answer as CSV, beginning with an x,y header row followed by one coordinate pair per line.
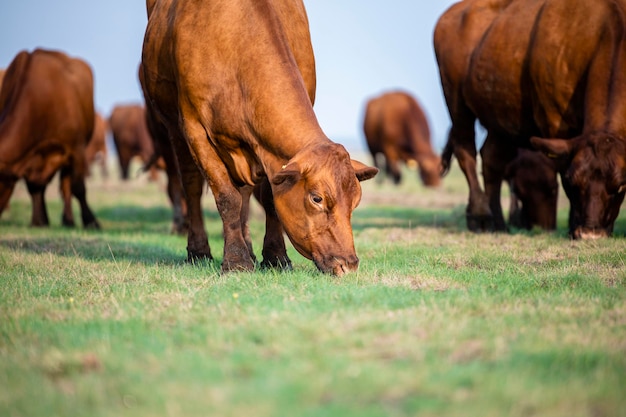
x,y
436,322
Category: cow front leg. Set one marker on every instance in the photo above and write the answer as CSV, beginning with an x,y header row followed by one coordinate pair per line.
x,y
237,252
228,197
274,250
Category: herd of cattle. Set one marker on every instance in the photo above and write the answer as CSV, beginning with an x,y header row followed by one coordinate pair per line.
x,y
229,88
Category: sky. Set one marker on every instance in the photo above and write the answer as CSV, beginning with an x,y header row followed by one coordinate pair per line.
x,y
362,48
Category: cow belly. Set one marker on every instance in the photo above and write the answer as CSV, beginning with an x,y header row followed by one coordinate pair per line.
x,y
41,165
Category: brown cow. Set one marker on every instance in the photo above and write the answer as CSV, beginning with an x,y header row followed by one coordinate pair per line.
x,y
233,81
543,69
396,127
131,136
534,190
46,122
96,151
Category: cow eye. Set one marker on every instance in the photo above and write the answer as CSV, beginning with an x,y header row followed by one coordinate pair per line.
x,y
316,198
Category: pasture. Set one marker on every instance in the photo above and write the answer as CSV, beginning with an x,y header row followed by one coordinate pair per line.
x,y
437,321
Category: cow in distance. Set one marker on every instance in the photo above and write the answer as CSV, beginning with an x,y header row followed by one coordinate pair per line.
x,y
47,120
396,127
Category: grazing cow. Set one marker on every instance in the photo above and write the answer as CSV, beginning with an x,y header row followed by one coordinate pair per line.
x,y
233,82
534,190
46,121
96,151
396,127
549,70
131,137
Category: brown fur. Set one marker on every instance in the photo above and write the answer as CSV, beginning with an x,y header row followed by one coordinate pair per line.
x,y
47,119
538,69
396,127
233,82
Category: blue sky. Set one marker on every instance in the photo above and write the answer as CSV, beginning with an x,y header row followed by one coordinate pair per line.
x,y
362,48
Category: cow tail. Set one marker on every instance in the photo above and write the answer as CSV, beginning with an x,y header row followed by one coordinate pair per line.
x,y
151,162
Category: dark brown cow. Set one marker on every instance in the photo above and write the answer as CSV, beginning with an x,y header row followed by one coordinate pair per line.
x,y
539,69
46,121
131,136
396,127
96,151
233,82
534,190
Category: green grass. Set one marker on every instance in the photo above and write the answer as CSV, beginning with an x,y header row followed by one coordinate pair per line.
x,y
436,322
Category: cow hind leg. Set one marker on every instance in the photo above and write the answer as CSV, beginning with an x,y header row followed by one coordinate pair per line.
x,y
79,191
39,216
495,158
175,192
192,183
461,142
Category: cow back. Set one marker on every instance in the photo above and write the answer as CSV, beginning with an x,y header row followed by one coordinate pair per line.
x,y
48,113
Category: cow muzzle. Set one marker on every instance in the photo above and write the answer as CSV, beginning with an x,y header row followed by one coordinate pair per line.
x,y
337,266
589,233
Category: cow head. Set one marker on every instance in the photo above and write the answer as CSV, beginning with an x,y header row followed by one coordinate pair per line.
x,y
429,170
532,179
593,173
314,195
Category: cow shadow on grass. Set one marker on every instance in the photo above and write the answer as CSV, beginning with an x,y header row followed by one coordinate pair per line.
x,y
132,234
452,219
130,218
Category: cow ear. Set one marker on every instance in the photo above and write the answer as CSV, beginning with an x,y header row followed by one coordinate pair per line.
x,y
554,148
362,171
288,175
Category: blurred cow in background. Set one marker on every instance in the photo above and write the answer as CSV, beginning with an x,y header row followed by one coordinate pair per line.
x,y
46,122
96,152
132,138
396,127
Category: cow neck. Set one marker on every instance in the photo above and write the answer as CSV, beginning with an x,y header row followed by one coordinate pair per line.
x,y
276,159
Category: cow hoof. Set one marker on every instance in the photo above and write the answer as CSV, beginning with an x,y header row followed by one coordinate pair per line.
x,y
94,225
180,229
193,257
68,222
230,266
278,263
479,224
